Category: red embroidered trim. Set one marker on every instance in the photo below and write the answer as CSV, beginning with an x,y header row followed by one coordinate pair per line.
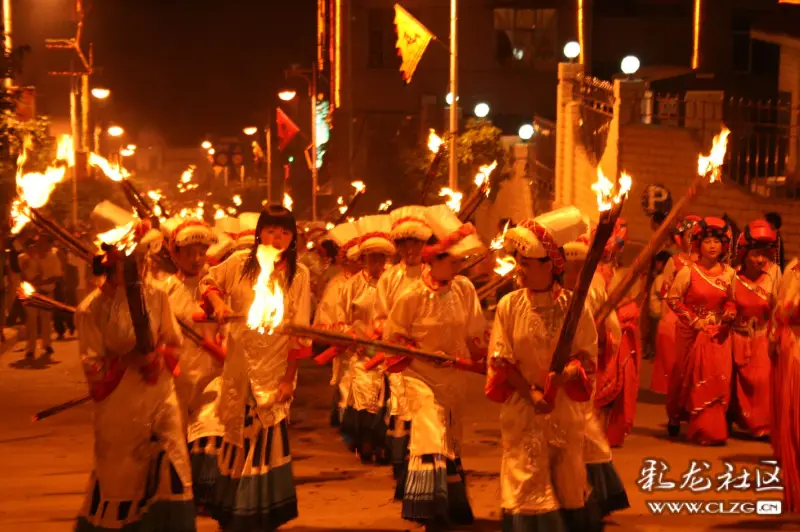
x,y
548,242
375,234
429,252
184,225
409,219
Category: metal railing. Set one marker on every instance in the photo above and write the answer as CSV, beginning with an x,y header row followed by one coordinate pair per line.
x,y
543,185
763,145
597,110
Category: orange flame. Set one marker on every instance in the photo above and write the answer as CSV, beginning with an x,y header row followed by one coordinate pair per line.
x,y
287,201
482,177
359,186
237,200
434,141
454,198
497,243
383,207
65,150
504,266
20,215
122,237
114,173
266,311
27,289
711,164
329,226
188,174
219,215
604,189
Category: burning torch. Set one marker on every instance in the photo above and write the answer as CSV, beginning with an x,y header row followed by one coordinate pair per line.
x,y
434,145
709,168
481,192
361,189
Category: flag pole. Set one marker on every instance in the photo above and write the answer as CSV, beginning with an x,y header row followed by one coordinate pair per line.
x,y
453,175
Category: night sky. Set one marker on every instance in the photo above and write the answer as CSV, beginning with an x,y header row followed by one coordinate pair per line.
x,y
186,67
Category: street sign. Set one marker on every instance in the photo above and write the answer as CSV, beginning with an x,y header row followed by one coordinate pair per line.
x,y
656,198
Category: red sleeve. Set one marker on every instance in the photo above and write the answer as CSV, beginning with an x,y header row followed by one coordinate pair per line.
x,y
683,312
102,383
205,302
213,349
497,388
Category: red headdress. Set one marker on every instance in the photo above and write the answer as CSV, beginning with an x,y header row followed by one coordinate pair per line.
x,y
687,224
712,227
758,234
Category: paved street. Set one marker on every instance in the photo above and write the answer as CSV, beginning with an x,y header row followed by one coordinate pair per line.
x,y
46,464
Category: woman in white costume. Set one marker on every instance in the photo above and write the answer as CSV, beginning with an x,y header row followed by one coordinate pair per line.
x,y
543,475
200,377
439,313
255,490
345,236
410,232
364,415
142,477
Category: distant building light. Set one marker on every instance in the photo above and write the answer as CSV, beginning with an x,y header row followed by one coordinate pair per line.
x,y
526,132
519,53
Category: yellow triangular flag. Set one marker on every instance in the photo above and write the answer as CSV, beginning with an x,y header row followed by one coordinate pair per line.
x,y
412,40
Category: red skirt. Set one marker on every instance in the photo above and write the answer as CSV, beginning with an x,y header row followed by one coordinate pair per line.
x,y
665,352
701,390
750,405
786,441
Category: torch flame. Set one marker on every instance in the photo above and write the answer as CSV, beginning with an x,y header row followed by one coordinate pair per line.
x,y
20,215
237,200
113,173
711,164
359,186
497,243
454,201
232,211
604,189
329,226
383,207
66,151
342,209
434,141
504,265
27,289
340,200
219,215
287,201
154,195
266,312
122,237
187,174
482,177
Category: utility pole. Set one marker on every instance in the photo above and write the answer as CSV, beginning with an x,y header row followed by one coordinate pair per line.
x,y
453,174
314,173
7,43
79,101
268,157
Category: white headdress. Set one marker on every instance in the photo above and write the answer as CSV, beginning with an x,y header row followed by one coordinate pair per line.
x,y
544,235
346,237
374,234
187,231
455,238
410,222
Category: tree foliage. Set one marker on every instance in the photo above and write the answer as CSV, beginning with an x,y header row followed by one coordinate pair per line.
x,y
478,144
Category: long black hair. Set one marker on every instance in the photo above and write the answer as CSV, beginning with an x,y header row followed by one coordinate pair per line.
x,y
275,216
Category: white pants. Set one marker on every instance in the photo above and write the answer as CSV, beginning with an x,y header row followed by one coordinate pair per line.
x,y
38,324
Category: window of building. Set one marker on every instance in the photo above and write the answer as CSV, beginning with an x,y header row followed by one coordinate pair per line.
x,y
526,36
742,47
380,38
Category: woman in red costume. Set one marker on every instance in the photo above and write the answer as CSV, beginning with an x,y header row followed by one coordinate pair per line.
x,y
786,386
618,362
665,335
701,296
754,291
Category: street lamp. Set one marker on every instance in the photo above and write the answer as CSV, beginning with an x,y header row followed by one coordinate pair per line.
x,y
449,98
131,147
526,132
250,131
126,152
205,145
310,76
101,93
116,131
630,65
482,110
572,50
211,151
287,95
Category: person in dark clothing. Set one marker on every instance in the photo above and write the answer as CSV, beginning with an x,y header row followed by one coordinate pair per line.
x,y
66,292
17,312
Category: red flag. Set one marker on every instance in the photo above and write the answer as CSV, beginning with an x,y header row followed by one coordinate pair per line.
x,y
286,129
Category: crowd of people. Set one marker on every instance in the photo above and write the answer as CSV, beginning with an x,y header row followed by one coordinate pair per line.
x,y
199,423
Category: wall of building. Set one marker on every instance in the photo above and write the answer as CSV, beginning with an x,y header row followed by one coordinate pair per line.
x,y
659,155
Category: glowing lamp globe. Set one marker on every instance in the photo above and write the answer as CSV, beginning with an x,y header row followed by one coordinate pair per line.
x,y
482,110
205,145
116,131
572,50
630,65
100,93
287,95
449,98
526,132
250,131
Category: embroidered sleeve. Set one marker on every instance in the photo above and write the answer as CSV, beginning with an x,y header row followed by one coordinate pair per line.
x,y
676,295
501,355
103,374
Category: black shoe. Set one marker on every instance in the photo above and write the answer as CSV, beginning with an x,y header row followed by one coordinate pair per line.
x,y
673,430
30,355
48,351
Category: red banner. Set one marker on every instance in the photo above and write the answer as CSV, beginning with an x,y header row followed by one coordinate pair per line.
x,y
286,129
